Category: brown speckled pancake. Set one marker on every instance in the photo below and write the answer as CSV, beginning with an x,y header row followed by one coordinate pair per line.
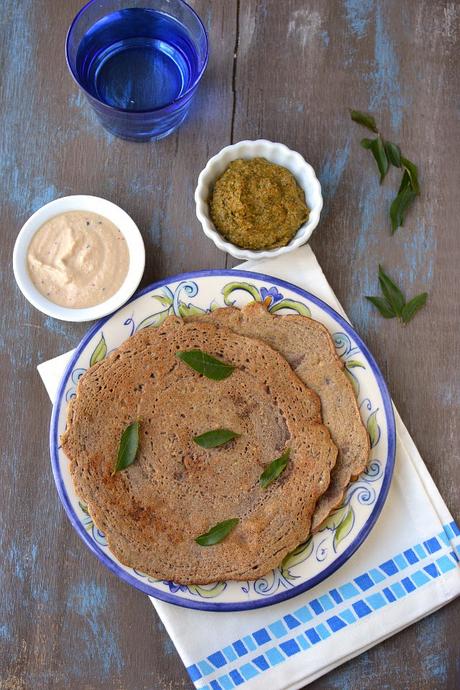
x,y
152,511
308,347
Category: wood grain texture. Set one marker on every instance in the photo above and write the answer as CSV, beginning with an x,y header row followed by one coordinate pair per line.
x,y
65,621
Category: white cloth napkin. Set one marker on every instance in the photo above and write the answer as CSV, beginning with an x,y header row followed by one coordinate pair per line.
x,y
406,569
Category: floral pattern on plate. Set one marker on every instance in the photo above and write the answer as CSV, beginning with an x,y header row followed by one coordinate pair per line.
x,y
346,527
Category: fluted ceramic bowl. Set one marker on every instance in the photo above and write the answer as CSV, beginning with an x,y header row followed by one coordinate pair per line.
x,y
93,204
276,153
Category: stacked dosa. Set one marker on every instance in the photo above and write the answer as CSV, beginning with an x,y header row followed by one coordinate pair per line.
x,y
309,349
175,490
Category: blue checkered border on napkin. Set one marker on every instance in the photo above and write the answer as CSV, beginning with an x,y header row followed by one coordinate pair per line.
x,y
320,618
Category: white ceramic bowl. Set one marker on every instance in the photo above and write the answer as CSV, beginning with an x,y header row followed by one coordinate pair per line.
x,y
276,153
104,208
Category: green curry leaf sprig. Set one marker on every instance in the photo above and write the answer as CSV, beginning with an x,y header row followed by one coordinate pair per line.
x,y
393,303
387,153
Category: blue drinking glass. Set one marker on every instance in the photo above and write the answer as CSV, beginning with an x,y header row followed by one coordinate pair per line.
x,y
139,63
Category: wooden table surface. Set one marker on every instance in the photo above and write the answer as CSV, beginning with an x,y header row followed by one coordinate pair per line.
x,y
286,71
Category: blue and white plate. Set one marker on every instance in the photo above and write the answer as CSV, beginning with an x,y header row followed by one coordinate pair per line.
x,y
347,527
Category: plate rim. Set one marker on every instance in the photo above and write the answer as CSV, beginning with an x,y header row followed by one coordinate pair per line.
x,y
206,605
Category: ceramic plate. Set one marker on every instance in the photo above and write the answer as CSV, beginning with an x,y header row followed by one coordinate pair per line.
x,y
347,527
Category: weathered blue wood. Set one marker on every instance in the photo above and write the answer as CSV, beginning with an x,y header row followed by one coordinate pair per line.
x,y
64,620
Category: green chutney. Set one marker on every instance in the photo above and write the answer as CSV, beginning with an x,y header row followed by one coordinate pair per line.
x,y
256,204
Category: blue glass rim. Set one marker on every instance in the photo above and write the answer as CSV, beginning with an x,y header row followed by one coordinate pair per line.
x,y
113,108
234,606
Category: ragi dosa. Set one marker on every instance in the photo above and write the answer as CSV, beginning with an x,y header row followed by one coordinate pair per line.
x,y
152,511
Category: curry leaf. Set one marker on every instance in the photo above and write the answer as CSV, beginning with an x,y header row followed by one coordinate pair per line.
x,y
393,303
391,292
401,203
127,449
393,153
215,438
412,172
386,153
412,307
274,469
217,533
364,119
378,151
382,305
205,364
